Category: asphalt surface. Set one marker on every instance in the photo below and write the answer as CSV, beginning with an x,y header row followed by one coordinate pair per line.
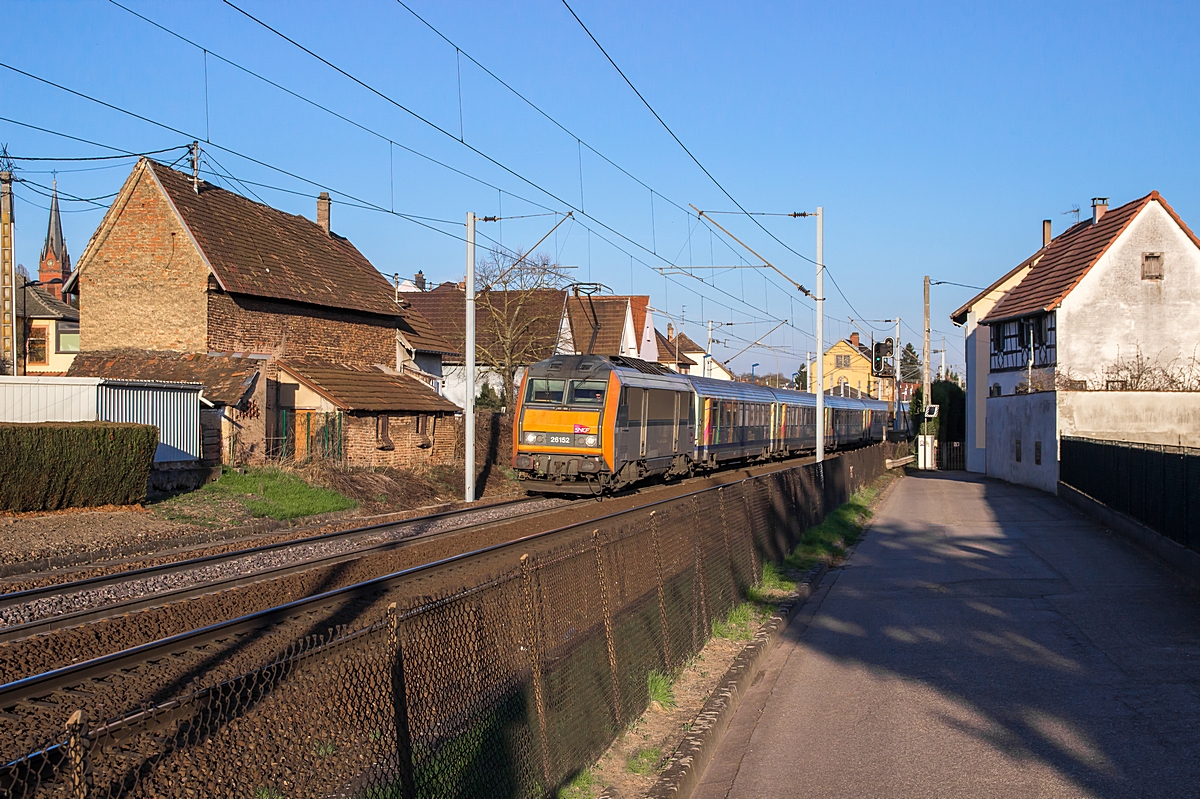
x,y
984,640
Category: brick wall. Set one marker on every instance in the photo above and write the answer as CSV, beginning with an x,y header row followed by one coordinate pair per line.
x,y
362,448
145,285
238,323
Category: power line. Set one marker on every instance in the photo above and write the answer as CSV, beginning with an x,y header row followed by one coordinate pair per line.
x,y
415,152
124,153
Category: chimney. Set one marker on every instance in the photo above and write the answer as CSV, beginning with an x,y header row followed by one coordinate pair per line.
x,y
670,331
1099,208
854,339
419,280
323,211
1046,235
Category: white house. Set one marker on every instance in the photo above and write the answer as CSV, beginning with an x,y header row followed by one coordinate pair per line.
x,y
1112,304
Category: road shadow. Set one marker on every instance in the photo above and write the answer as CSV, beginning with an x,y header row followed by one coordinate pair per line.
x,y
1044,640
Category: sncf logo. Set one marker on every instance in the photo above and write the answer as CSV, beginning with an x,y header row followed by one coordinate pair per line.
x,y
582,428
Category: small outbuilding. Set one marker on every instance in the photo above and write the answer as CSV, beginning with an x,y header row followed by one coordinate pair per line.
x,y
362,416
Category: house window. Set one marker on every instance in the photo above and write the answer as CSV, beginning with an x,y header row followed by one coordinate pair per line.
x,y
66,336
1037,453
423,425
36,346
1152,266
1012,336
1018,450
842,361
382,439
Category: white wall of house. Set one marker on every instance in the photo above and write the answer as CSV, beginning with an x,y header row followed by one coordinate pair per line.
x,y
454,382
1149,417
1031,420
1113,312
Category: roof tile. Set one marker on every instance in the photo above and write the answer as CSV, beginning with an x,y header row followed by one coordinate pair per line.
x,y
364,389
227,379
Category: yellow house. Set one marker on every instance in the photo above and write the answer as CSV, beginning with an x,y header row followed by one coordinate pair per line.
x,y
49,336
847,368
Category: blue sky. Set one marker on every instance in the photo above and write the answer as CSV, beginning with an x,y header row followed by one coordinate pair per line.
x,y
937,137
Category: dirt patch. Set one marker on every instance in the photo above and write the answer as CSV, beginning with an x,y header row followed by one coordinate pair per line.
x,y
44,535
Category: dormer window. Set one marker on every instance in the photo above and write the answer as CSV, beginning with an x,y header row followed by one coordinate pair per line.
x,y
1152,266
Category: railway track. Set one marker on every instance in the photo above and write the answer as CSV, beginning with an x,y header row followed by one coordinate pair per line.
x,y
53,607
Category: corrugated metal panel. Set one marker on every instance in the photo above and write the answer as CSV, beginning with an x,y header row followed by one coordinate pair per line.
x,y
730,389
173,408
48,399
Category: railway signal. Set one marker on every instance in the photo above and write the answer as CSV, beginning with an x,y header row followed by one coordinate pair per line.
x,y
882,353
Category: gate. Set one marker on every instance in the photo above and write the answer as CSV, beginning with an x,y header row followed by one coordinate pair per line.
x,y
952,455
304,436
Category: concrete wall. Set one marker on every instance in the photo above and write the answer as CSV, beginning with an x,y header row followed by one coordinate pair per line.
x,y
1030,419
1150,417
1113,311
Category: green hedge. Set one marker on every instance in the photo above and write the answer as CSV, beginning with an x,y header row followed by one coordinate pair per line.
x,y
53,465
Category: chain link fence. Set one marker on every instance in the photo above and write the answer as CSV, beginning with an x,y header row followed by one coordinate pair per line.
x,y
1156,484
500,673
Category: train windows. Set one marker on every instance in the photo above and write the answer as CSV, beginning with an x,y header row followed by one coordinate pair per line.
x,y
587,392
545,391
633,405
661,406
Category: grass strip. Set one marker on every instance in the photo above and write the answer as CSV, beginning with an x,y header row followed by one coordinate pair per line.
x,y
263,492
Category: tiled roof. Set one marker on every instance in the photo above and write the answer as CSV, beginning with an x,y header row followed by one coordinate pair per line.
x,y
264,252
366,389
1069,257
686,344
638,304
959,317
418,330
609,315
43,305
227,379
535,315
667,352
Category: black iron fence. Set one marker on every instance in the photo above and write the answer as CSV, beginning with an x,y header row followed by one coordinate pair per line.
x,y
1156,484
497,673
951,455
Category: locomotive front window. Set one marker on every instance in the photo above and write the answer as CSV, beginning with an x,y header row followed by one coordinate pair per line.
x,y
545,391
587,392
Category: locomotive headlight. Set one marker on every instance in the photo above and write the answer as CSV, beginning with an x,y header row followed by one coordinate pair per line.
x,y
590,441
531,438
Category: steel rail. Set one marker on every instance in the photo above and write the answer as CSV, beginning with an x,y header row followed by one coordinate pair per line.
x,y
39,685
59,621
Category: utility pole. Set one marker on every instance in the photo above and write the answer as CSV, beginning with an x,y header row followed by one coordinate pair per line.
x,y
925,359
469,409
821,331
942,370
196,167
896,376
708,351
8,277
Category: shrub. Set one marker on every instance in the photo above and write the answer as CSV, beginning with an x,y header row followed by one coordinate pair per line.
x,y
54,465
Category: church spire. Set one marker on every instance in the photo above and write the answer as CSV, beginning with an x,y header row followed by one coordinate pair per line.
x,y
55,261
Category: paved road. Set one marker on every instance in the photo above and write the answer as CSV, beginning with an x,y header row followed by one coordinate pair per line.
x,y
984,640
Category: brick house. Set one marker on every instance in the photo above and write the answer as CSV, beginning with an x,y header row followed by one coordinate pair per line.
x,y
232,422
49,332
181,265
383,419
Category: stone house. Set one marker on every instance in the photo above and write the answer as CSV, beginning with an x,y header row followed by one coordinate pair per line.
x,y
382,419
1110,305
181,265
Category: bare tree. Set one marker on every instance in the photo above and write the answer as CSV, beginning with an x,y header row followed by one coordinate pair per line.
x,y
519,311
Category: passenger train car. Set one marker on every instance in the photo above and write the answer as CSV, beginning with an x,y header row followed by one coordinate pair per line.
x,y
586,424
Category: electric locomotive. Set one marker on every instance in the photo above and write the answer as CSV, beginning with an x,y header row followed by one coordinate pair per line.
x,y
587,424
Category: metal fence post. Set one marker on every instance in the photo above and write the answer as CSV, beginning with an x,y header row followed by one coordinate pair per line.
x,y
608,628
535,660
662,593
404,755
77,758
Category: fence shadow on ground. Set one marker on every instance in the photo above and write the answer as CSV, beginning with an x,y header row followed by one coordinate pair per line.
x,y
1026,629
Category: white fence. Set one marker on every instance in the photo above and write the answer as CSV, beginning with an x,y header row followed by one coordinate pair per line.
x,y
174,408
